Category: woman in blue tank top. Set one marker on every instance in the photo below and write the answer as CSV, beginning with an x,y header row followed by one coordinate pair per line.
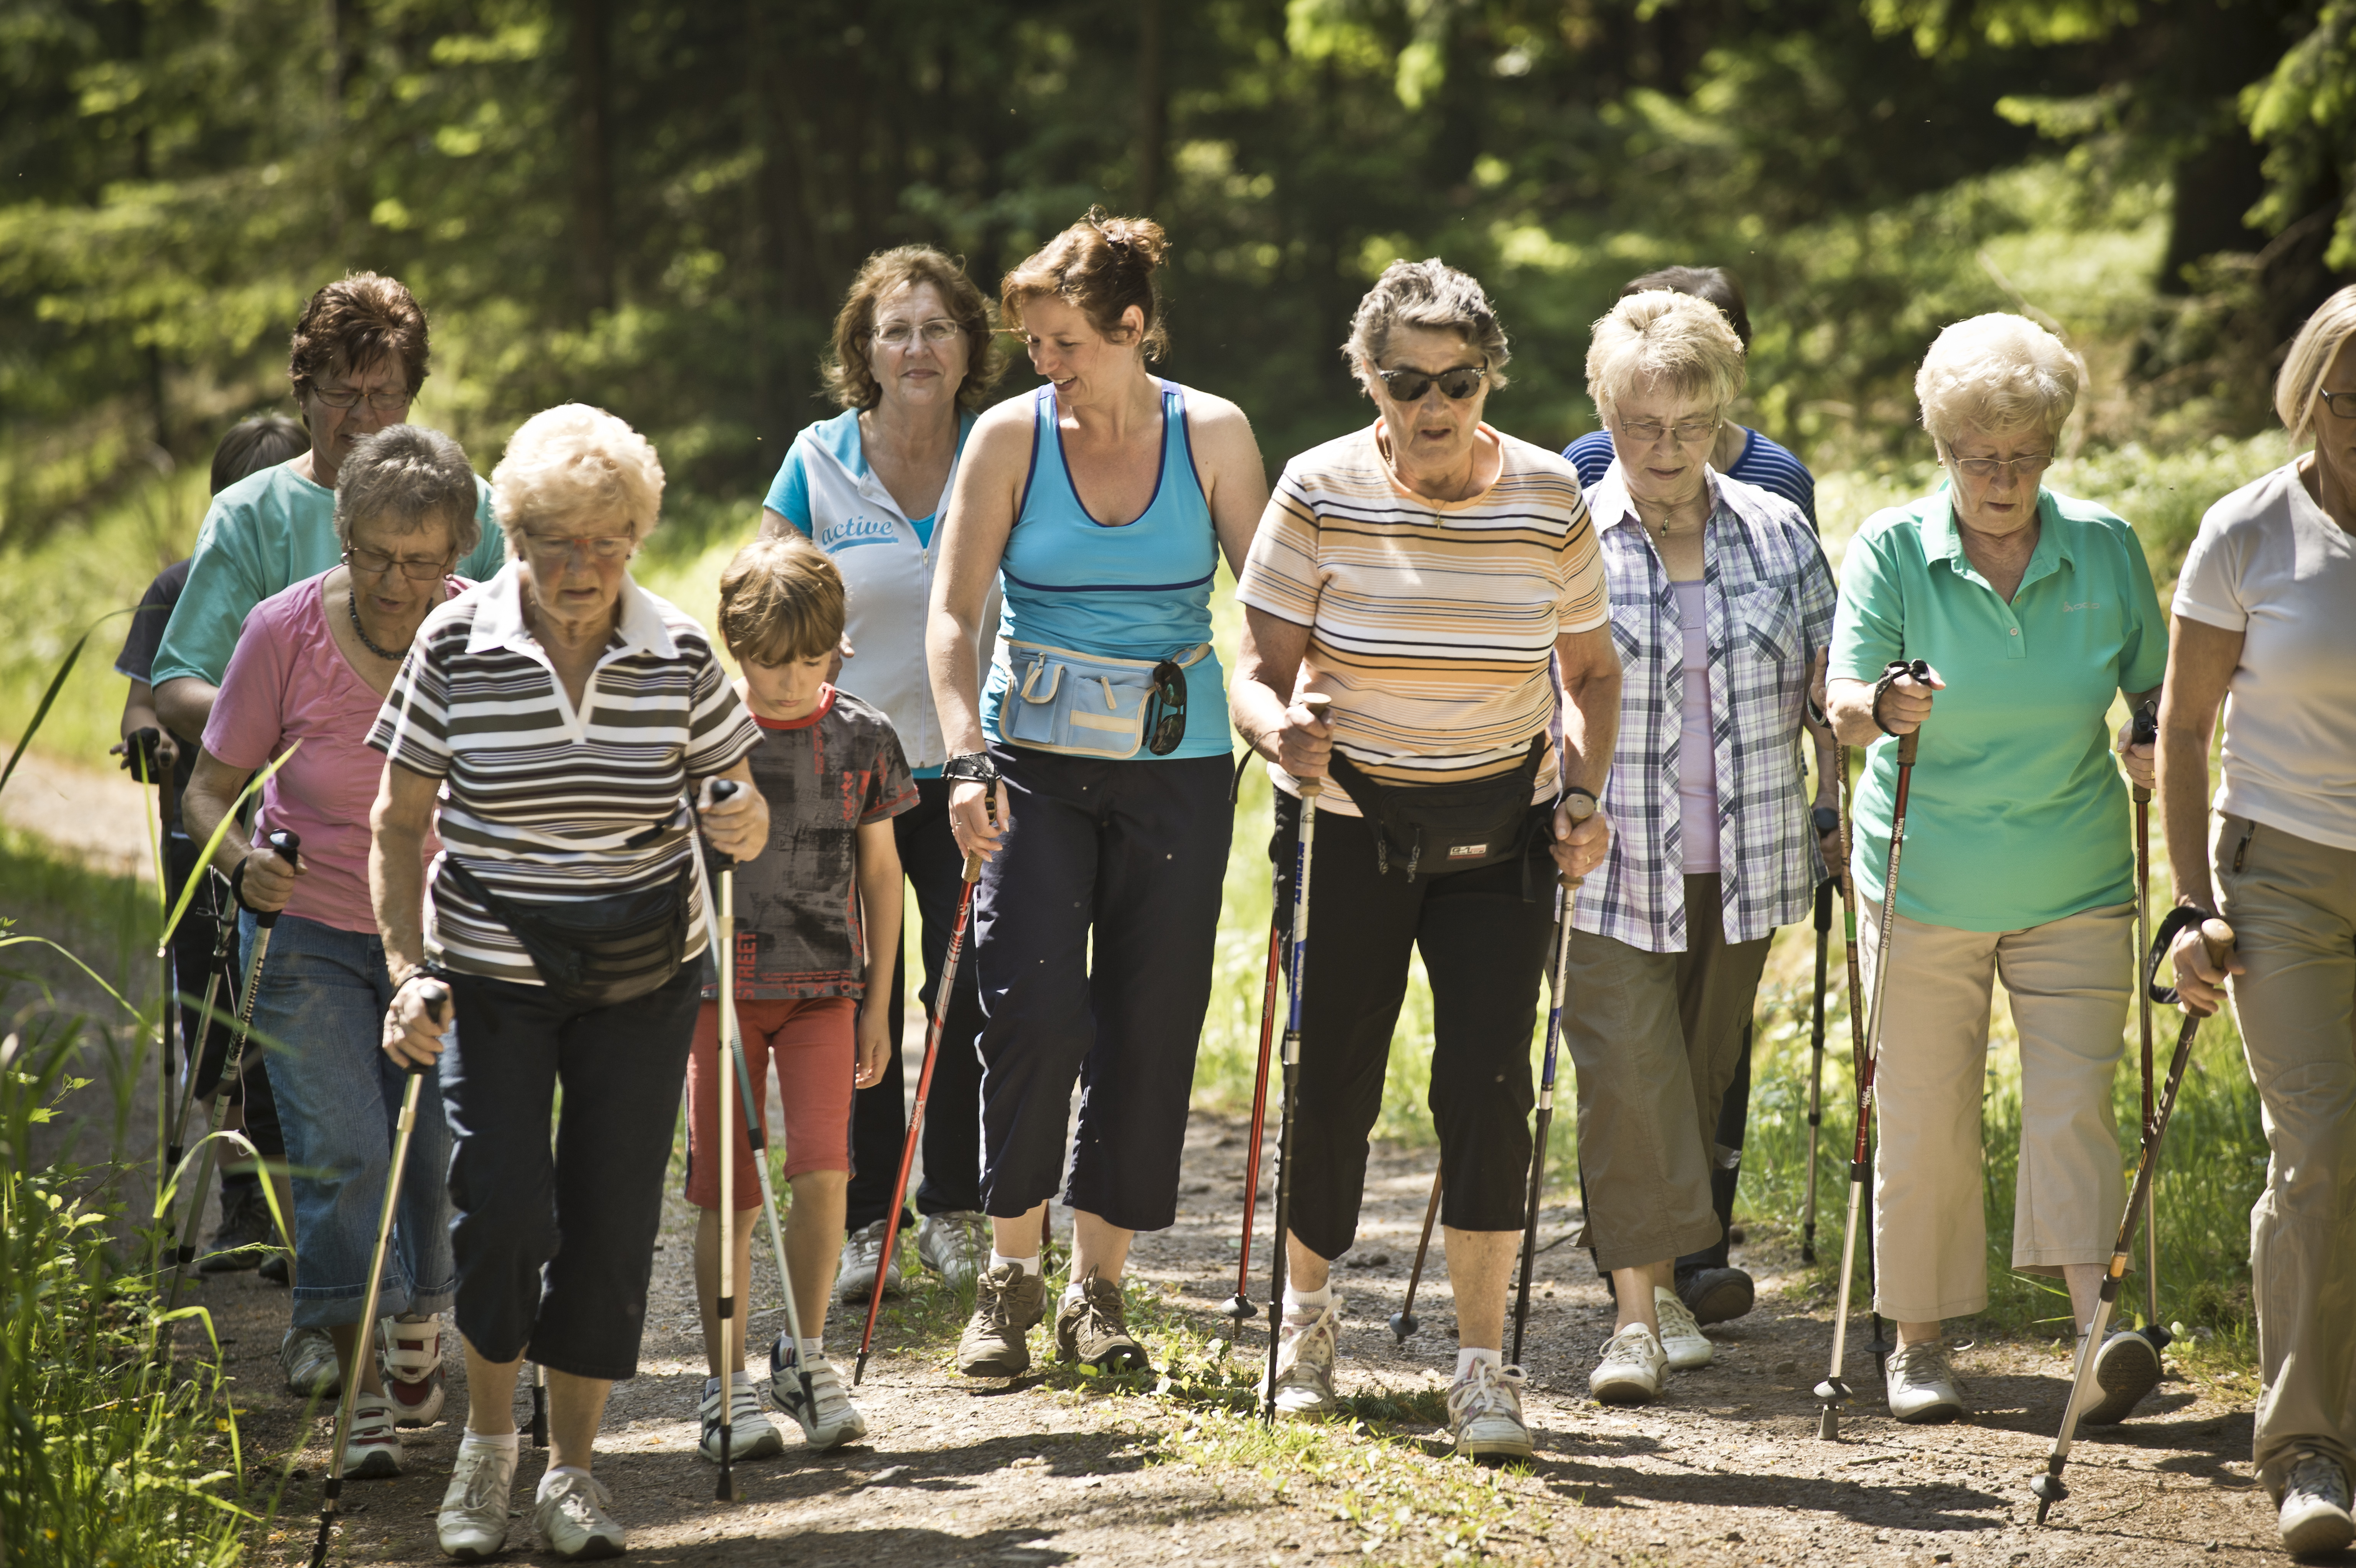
x,y
1090,772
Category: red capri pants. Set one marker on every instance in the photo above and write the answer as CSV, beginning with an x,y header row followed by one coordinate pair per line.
x,y
814,1044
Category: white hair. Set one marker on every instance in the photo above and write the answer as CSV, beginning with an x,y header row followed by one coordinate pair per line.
x,y
1659,337
1996,372
574,464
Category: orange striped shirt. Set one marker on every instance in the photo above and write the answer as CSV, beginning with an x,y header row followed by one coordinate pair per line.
x,y
1431,624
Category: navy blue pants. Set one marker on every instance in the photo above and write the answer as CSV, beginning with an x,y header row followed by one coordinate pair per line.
x,y
1132,854
555,1250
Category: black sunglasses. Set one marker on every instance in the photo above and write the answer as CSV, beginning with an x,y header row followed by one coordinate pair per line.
x,y
1456,385
1165,712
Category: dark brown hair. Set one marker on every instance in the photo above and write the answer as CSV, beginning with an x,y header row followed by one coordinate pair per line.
x,y
1100,267
355,322
781,598
849,375
1716,284
252,445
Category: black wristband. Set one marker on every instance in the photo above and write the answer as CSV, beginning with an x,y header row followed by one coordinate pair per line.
x,y
972,767
2175,920
1890,673
432,969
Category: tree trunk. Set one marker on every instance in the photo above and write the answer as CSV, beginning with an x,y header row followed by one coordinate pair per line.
x,y
592,159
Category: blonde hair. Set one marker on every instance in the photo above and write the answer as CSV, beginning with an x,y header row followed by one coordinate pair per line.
x,y
780,599
1660,337
1996,373
1431,295
850,376
1100,267
2318,343
572,463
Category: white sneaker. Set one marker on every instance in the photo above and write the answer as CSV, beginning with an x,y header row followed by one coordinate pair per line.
x,y
2126,1368
1921,1383
854,1276
2314,1507
371,1448
1485,1408
835,1421
1305,1349
473,1524
410,1352
1682,1339
1632,1366
750,1435
307,1356
573,1519
955,1246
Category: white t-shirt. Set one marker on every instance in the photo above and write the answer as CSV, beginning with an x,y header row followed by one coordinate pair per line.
x,y
2271,564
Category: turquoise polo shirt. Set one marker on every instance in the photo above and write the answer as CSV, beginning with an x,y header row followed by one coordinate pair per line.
x,y
2017,813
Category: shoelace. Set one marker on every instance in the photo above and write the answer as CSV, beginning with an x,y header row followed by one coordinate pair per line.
x,y
482,1479
1675,1316
584,1500
1483,1394
995,1299
2316,1473
1926,1361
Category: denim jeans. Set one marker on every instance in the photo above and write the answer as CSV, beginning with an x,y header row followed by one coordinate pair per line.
x,y
322,997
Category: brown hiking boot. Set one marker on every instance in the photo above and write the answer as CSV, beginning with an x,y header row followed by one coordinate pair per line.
x,y
1008,1302
1094,1329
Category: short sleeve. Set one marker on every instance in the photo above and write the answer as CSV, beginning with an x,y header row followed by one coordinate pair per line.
x,y
1281,576
2209,588
1584,601
720,732
891,789
413,728
248,717
137,659
224,582
1870,626
788,494
2143,653
490,551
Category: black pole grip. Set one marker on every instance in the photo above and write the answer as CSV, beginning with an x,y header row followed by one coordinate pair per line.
x,y
287,846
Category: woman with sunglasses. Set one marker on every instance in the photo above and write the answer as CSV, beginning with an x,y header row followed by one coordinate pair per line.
x,y
1091,774
1438,580
2035,612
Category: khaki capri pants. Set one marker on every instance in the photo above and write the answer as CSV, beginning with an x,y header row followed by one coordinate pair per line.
x,y
2292,905
2068,980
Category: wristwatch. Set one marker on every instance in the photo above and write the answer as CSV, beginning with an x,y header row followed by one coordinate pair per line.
x,y
974,767
432,969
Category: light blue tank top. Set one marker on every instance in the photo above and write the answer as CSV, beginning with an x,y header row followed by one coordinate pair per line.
x,y
1140,591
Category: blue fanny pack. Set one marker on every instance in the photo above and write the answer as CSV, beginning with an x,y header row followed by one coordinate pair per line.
x,y
1083,704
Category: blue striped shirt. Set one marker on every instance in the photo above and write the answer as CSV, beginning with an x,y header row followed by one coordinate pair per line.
x,y
1761,463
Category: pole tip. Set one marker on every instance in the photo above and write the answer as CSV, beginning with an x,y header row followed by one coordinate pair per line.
x,y
727,1491
1828,1427
1403,1323
859,1368
1239,1306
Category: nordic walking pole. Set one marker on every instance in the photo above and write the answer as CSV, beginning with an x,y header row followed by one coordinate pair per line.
x,y
1304,849
1581,806
436,997
1816,1037
192,1053
924,1086
1239,1306
2218,936
723,935
288,846
2146,732
1834,1390
1403,1321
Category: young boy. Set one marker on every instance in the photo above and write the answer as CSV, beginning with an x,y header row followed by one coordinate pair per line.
x,y
812,992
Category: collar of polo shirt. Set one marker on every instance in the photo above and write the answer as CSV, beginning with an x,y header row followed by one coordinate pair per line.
x,y
498,618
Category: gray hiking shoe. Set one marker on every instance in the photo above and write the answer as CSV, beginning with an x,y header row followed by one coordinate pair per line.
x,y
1094,1329
1008,1302
863,1251
307,1356
2126,1368
956,1245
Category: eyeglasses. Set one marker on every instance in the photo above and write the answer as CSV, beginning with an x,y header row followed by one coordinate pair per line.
x,y
376,563
1166,710
604,547
896,334
1648,432
1982,469
2341,403
1408,385
390,400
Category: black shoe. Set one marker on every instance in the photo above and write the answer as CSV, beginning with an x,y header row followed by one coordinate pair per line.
x,y
1714,1295
274,1270
245,1229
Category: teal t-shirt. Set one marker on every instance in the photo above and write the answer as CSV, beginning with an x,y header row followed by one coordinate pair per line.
x,y
265,533
2018,811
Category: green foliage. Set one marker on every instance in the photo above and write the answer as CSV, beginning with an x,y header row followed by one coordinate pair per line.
x,y
2305,113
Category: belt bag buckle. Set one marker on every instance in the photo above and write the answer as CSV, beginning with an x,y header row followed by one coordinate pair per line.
x,y
1080,704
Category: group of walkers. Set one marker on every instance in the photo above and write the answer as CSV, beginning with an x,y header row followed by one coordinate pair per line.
x,y
975,642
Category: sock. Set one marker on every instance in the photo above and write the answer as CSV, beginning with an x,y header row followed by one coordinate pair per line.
x,y
555,1470
1467,1360
812,1350
1308,1300
505,1442
1072,1293
1028,1265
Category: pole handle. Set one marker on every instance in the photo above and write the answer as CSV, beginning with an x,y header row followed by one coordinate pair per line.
x,y
436,997
287,846
1320,709
2218,937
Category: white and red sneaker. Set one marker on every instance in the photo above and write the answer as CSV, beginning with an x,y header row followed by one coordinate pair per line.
x,y
371,1448
410,1352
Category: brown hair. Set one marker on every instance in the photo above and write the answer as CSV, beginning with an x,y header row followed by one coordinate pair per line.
x,y
357,322
1100,267
850,380
780,599
1716,284
252,445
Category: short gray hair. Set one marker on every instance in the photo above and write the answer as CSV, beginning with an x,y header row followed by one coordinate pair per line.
x,y
1658,335
1431,295
411,476
1996,371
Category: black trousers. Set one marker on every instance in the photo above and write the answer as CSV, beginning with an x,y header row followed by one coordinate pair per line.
x,y
555,1250
192,957
879,1122
1484,950
1097,924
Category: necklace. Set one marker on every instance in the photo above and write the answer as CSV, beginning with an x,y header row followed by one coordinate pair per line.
x,y
352,603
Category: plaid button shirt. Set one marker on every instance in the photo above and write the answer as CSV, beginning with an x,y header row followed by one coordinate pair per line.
x,y
1771,612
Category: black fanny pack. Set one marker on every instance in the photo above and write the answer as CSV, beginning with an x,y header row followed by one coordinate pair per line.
x,y
1447,827
595,952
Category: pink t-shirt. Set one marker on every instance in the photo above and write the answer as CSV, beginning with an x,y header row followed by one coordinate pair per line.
x,y
287,682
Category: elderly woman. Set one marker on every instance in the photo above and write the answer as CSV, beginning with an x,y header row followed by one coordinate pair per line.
x,y
914,359
2034,612
558,718
2262,617
1426,573
1092,775
304,684
1721,608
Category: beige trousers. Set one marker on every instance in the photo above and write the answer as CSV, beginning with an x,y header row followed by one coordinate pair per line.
x,y
2292,905
2069,981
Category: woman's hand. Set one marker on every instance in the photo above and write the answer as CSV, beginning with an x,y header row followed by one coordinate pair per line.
x,y
1579,849
875,1044
2142,762
414,1025
738,827
1305,744
268,881
1907,702
980,829
2199,984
